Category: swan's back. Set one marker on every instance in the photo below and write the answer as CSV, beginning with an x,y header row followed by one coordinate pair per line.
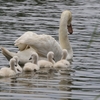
x,y
4,72
62,64
45,64
42,44
30,67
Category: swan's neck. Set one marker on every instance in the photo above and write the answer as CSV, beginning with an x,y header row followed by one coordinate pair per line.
x,y
16,61
35,60
64,56
63,37
12,66
51,59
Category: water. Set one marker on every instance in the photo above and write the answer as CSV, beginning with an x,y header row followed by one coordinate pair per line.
x,y
40,16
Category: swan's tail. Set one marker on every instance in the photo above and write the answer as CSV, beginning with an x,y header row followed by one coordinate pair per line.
x,y
7,53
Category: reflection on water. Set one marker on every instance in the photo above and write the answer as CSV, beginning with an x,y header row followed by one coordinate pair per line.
x,y
51,85
41,16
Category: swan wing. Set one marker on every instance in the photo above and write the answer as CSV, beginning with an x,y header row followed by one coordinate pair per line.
x,y
19,42
42,44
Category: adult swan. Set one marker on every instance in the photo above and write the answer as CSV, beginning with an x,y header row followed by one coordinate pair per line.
x,y
42,44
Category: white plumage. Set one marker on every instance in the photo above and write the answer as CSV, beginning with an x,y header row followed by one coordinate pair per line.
x,y
7,72
17,67
47,63
63,63
32,66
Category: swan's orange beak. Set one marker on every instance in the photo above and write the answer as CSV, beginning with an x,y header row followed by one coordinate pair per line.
x,y
70,29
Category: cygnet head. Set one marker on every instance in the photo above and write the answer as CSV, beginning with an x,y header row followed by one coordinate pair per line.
x,y
50,56
34,58
64,54
16,58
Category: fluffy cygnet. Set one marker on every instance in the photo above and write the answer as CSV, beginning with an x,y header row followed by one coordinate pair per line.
x,y
7,72
63,62
47,63
32,66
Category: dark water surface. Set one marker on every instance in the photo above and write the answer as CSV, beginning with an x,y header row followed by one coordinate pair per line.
x,y
40,16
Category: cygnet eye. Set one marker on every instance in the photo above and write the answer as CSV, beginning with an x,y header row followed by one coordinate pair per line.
x,y
35,70
30,58
15,65
18,70
54,59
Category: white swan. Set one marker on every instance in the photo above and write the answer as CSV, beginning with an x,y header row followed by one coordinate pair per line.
x,y
47,63
32,66
17,67
7,72
42,44
63,63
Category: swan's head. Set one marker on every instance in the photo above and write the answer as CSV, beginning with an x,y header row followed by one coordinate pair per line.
x,y
16,58
50,55
64,54
34,58
66,18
